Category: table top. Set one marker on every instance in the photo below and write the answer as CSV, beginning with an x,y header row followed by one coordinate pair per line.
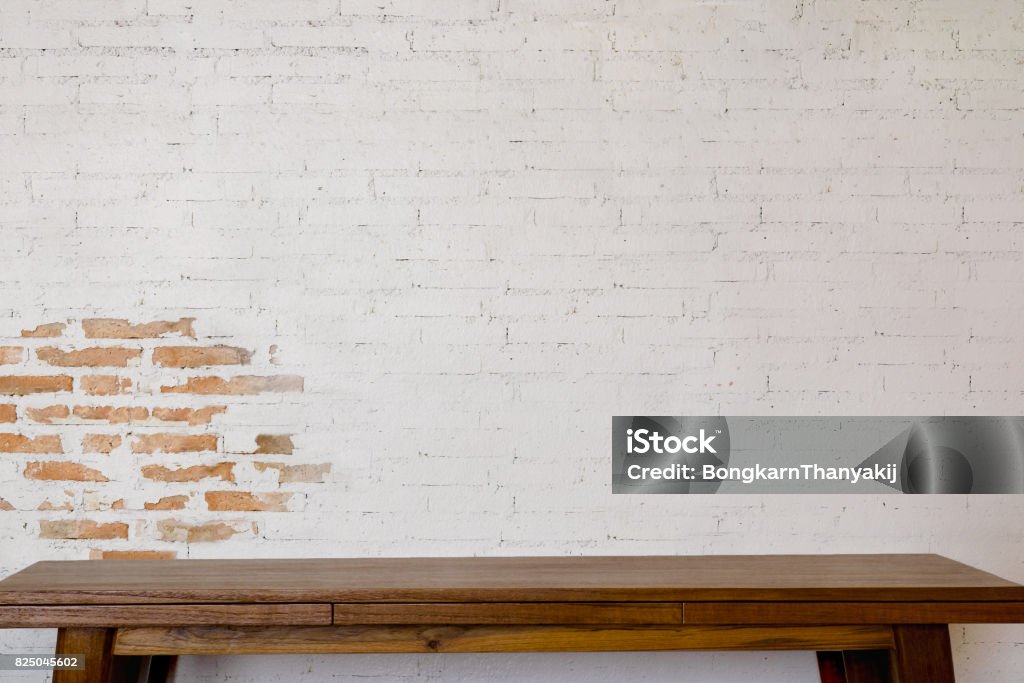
x,y
506,579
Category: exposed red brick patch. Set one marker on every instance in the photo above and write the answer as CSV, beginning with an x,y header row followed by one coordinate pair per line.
x,y
96,511
244,501
200,356
48,414
244,384
113,328
105,385
97,554
5,506
101,443
47,506
223,470
287,474
19,443
174,443
111,414
62,471
173,530
46,330
22,385
168,503
276,444
81,529
193,416
96,357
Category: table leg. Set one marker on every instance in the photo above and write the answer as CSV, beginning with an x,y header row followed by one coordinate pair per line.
x,y
101,665
868,666
923,654
830,666
160,669
95,644
854,666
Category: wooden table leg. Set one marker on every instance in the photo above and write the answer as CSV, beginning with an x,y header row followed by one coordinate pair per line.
x,y
868,666
854,666
923,654
101,665
95,644
830,666
160,669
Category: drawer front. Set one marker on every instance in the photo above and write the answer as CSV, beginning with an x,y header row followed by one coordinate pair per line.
x,y
509,613
165,615
821,613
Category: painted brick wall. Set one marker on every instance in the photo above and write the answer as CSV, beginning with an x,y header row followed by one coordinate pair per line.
x,y
109,418
476,229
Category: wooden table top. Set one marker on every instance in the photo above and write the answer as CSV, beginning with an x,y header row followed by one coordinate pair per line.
x,y
505,579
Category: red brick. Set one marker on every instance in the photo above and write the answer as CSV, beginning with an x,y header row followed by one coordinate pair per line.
x,y
48,414
244,384
11,355
244,501
5,506
105,385
174,443
95,357
168,503
8,412
200,356
193,416
47,506
19,443
97,554
62,471
101,443
111,414
173,530
81,529
276,444
46,330
287,474
22,385
223,470
112,328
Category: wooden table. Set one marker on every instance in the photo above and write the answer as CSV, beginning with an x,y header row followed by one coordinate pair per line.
x,y
869,617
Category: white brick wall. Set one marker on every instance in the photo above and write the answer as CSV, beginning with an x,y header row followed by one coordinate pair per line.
x,y
481,227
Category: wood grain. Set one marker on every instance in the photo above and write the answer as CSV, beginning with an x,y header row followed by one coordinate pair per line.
x,y
96,645
510,613
396,639
810,613
162,615
871,578
923,654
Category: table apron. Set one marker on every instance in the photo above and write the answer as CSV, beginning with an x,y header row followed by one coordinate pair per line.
x,y
224,640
